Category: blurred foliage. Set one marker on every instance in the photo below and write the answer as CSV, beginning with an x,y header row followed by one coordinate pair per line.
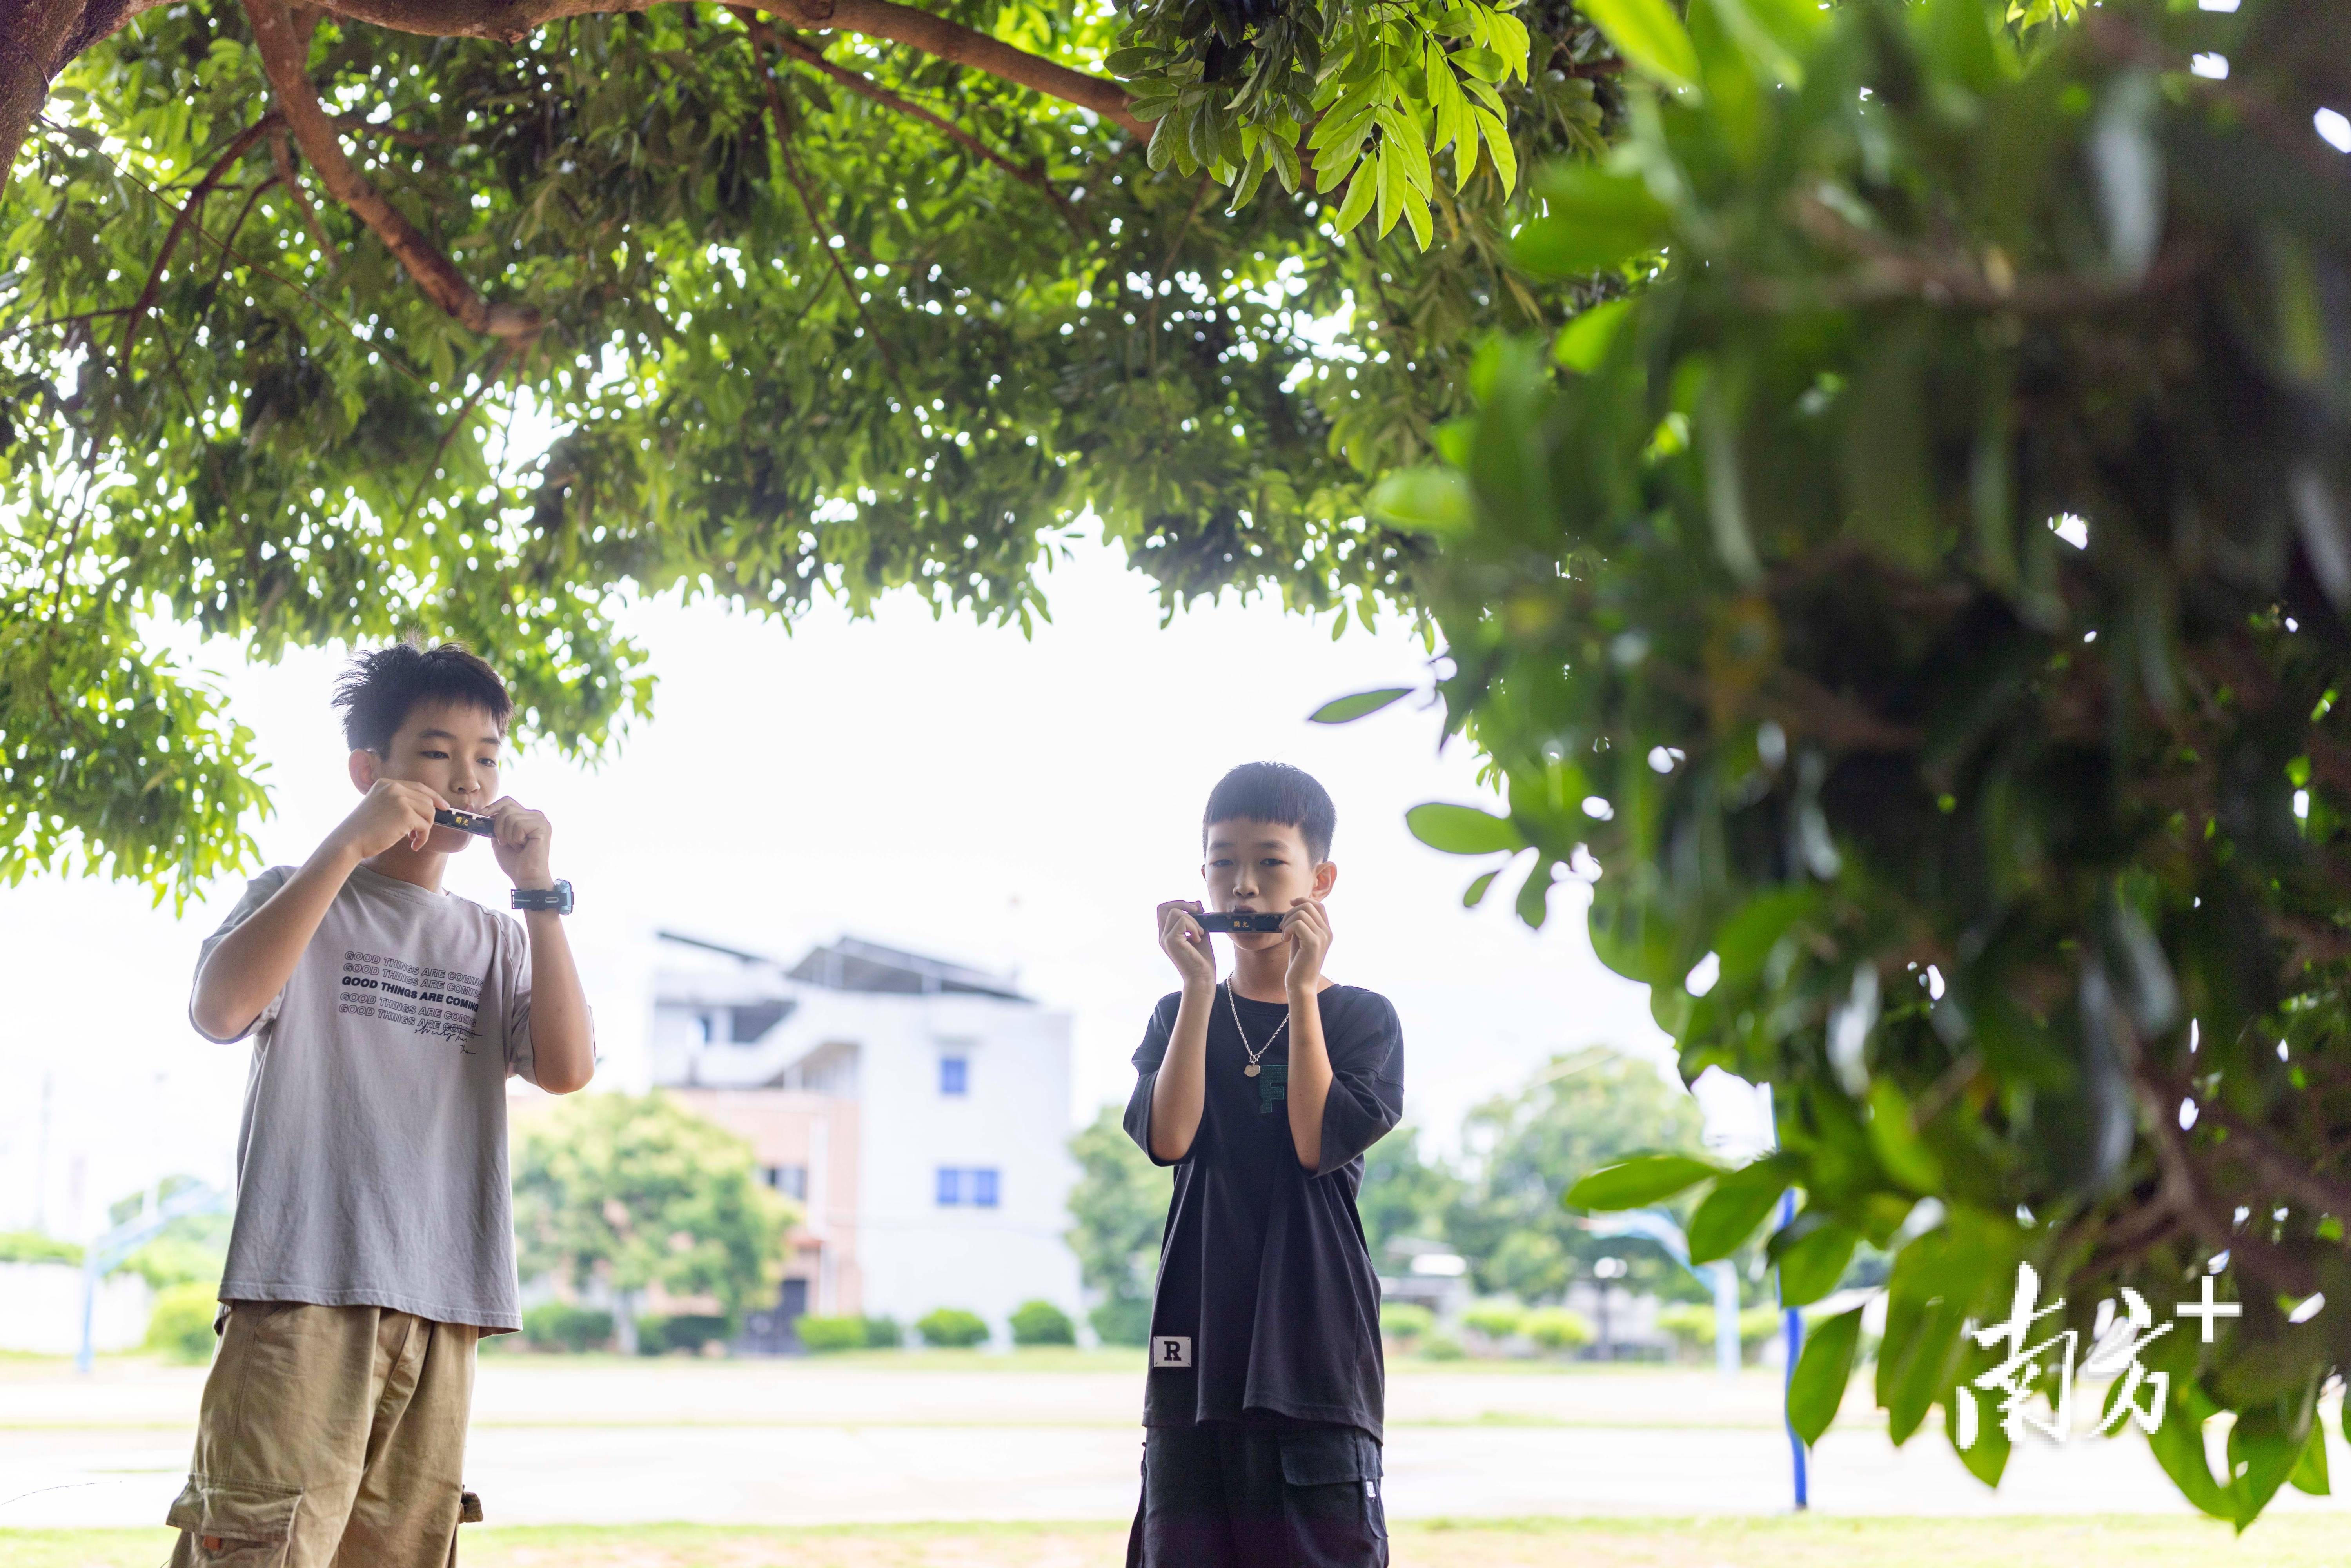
x,y
1525,1149
952,1328
794,341
632,1190
1406,1321
563,1325
37,1247
1557,1328
1404,1196
190,1249
1118,1209
687,1334
1692,1328
1043,1322
826,1336
1919,614
180,1324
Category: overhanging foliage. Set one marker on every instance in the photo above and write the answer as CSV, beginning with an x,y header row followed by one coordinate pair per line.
x,y
1926,607
293,306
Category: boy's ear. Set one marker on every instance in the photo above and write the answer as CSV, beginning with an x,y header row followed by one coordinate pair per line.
x,y
1325,874
366,767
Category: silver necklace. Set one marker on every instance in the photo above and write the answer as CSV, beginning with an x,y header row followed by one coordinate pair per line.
x,y
1255,1053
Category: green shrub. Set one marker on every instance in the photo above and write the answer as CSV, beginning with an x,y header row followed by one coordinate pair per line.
x,y
181,1326
823,1336
1556,1328
884,1333
562,1326
1121,1322
952,1328
36,1246
692,1331
1496,1319
1404,1319
1043,1322
1443,1347
652,1335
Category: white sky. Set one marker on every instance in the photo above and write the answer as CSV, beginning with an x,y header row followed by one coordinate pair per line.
x,y
932,785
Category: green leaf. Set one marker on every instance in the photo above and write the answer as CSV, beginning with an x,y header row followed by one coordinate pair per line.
x,y
1347,709
1462,829
1897,1143
1987,1456
1497,146
1597,219
1474,894
1426,500
1637,1181
1739,1202
1359,192
1813,1260
2310,1473
1822,1373
1650,37
1583,341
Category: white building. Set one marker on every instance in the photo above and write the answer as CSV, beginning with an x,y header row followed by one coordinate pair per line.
x,y
919,1112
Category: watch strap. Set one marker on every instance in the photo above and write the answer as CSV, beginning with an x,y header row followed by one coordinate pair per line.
x,y
557,899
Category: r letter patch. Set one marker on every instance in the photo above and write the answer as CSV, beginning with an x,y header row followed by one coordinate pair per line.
x,y
1170,1349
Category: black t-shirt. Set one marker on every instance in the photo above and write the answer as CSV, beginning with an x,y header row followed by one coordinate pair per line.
x,y
1263,1266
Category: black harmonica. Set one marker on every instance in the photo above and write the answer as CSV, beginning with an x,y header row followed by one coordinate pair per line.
x,y
467,822
1218,921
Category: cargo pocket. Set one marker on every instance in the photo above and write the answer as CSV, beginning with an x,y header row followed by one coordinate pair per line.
x,y
236,1524
1330,1497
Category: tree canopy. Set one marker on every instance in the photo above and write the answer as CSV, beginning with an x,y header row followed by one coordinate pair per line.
x,y
469,318
1921,616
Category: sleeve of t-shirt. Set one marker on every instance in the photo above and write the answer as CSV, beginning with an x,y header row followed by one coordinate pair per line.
x,y
1366,1099
258,893
514,979
1147,1058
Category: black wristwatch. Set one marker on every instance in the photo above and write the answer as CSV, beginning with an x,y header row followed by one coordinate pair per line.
x,y
556,898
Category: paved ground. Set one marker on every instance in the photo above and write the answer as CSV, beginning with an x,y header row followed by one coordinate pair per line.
x,y
920,1437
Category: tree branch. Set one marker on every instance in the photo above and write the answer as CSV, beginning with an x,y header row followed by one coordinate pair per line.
x,y
510,21
286,63
33,34
866,87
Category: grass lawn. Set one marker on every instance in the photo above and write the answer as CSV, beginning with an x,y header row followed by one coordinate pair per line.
x,y
2303,1541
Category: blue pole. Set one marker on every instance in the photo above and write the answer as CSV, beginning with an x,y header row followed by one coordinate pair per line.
x,y
1793,1322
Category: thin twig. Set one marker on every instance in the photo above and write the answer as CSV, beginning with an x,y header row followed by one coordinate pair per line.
x,y
281,150
186,215
866,87
808,203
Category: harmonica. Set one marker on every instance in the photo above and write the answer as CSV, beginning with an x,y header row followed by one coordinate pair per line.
x,y
473,822
1245,921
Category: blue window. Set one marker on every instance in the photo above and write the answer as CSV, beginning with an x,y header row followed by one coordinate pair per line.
x,y
955,1075
959,1188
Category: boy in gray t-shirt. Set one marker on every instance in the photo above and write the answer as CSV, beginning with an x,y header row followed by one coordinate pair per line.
x,y
374,1237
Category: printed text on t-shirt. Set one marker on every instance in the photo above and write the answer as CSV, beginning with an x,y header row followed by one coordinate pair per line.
x,y
439,1004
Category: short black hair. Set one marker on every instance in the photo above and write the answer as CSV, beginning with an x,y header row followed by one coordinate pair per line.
x,y
1275,793
379,688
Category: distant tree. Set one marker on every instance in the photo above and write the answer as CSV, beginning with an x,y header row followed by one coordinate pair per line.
x,y
1523,1150
1403,1194
1120,1211
632,1190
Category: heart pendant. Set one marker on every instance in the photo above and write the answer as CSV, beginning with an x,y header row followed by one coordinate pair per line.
x,y
1252,1071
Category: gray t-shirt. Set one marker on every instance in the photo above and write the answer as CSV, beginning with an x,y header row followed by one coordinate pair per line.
x,y
371,1160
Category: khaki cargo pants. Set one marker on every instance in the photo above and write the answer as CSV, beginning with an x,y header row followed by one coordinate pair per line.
x,y
329,1437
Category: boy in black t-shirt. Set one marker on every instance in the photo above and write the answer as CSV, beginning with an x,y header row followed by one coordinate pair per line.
x,y
1263,1403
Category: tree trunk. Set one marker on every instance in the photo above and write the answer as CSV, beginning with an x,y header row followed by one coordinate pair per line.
x,y
33,35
